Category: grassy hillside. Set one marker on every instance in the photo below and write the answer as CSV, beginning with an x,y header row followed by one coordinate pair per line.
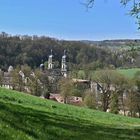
x,y
128,72
24,117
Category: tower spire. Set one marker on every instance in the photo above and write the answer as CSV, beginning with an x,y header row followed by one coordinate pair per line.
x,y
64,52
63,65
51,51
50,60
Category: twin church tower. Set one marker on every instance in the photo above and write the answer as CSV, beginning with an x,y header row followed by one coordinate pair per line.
x,y
63,64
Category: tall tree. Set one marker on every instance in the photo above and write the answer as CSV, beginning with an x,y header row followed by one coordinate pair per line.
x,y
114,106
17,79
66,89
46,86
35,83
137,94
109,82
90,99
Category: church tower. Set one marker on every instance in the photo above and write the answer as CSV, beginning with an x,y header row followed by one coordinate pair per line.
x,y
63,65
50,61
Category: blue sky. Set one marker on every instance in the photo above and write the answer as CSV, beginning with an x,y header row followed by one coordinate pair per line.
x,y
67,19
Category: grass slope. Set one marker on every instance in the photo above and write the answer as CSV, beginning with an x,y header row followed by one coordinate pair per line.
x,y
25,117
128,72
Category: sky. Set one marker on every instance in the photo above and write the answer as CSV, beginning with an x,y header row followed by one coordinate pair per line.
x,y
68,19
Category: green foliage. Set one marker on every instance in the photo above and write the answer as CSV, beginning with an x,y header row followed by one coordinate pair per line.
x,y
76,92
130,73
26,70
66,88
90,99
35,84
17,80
26,117
46,64
81,74
114,106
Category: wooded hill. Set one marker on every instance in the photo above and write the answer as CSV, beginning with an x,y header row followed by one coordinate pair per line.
x,y
112,43
32,50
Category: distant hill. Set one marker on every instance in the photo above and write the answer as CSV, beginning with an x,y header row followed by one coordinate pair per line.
x,y
25,117
119,42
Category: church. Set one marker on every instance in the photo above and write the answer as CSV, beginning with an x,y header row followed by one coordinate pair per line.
x,y
54,73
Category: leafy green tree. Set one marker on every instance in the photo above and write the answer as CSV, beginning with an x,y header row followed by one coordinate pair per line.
x,y
46,86
81,74
35,83
46,64
26,70
17,79
66,89
73,74
114,106
90,99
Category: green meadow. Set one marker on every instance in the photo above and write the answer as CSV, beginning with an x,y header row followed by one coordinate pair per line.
x,y
25,117
128,72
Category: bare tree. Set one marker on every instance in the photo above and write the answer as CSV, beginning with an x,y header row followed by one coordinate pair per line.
x,y
109,82
133,4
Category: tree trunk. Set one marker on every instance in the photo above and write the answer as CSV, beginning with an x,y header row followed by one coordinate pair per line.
x,y
105,106
65,100
123,106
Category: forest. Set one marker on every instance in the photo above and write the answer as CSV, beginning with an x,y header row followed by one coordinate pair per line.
x,y
33,50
